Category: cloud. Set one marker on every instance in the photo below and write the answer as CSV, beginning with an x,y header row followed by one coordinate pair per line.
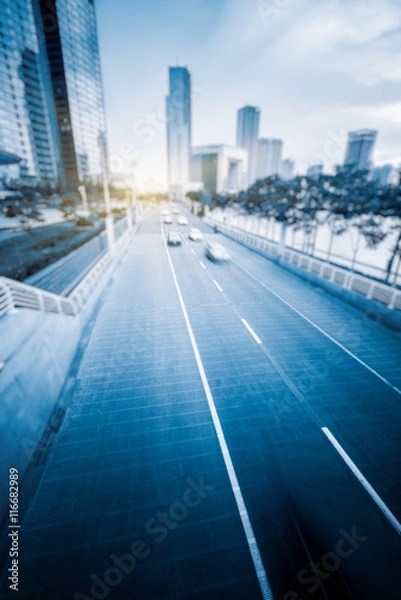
x,y
361,39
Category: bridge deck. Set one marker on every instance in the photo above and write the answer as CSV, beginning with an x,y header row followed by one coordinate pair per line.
x,y
136,500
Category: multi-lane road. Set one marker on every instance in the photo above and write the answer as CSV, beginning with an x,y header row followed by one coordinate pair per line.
x,y
233,432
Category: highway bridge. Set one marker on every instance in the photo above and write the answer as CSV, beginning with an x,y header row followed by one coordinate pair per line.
x,y
232,432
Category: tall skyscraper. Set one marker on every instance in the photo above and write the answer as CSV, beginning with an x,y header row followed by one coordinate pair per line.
x,y
315,171
70,35
360,149
286,170
51,108
269,156
178,108
247,137
27,124
385,175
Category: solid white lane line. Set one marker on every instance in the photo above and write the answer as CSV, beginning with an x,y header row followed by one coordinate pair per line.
x,y
361,362
371,491
251,331
217,285
193,251
201,263
246,524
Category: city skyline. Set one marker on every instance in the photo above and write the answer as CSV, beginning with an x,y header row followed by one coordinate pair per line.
x,y
312,88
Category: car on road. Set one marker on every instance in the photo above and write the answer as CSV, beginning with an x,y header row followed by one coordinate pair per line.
x,y
195,234
182,220
216,252
168,219
176,211
173,238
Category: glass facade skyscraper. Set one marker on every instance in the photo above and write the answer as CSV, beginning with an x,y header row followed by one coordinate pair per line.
x,y
269,157
178,107
247,137
52,116
360,149
72,48
26,126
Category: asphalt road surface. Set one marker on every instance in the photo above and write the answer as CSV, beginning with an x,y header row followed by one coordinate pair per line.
x,y
233,433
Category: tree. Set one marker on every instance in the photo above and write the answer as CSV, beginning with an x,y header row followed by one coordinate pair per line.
x,y
337,226
69,205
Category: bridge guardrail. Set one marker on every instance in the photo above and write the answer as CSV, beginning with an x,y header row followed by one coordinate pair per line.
x,y
371,289
14,294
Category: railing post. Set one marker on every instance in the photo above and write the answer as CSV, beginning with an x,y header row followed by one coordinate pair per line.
x,y
391,304
9,297
347,282
281,247
40,300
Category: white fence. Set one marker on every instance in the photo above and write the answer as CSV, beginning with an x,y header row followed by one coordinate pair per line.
x,y
14,294
369,288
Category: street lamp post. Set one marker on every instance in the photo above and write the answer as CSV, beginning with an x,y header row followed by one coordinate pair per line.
x,y
82,191
106,194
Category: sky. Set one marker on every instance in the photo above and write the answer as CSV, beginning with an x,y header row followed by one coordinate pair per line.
x,y
315,68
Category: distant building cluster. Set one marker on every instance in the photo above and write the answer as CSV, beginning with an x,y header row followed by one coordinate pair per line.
x,y
52,119
220,168
216,168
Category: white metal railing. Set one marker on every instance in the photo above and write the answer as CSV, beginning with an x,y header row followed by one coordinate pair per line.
x,y
82,291
14,294
371,289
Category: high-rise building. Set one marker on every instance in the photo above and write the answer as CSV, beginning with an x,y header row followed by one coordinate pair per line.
x,y
178,108
385,175
360,149
220,168
269,156
315,171
51,107
247,137
27,125
286,170
70,36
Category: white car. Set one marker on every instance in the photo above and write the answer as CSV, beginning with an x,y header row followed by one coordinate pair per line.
x,y
195,234
182,220
168,219
173,238
216,252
